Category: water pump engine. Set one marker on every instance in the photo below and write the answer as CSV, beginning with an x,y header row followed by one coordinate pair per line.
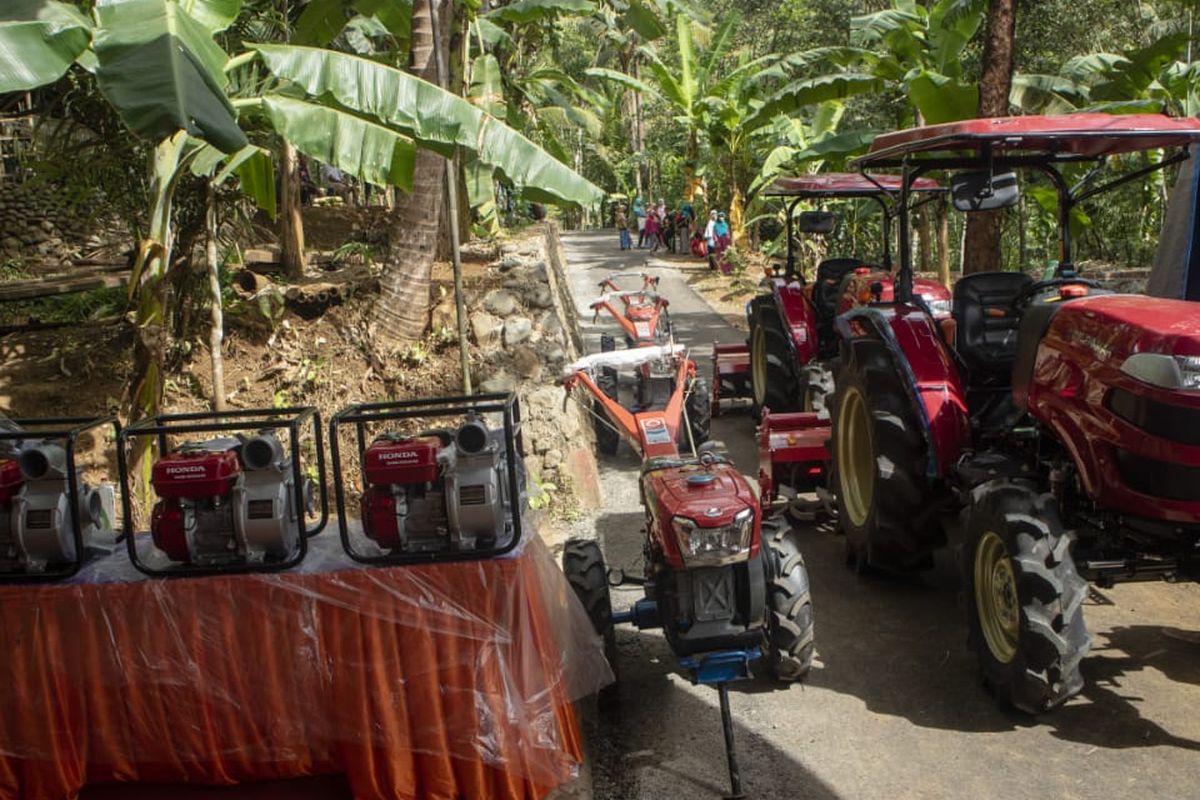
x,y
227,501
438,491
35,509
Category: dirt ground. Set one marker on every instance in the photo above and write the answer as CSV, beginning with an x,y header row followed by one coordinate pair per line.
x,y
894,707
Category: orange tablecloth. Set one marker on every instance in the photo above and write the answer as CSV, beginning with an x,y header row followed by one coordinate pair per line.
x,y
439,681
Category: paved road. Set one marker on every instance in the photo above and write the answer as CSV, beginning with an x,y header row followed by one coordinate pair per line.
x,y
894,707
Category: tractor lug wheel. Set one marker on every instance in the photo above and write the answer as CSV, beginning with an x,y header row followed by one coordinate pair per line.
x,y
1024,597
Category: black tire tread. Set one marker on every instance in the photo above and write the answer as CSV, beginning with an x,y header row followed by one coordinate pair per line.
x,y
901,490
1053,638
699,412
608,441
789,608
583,566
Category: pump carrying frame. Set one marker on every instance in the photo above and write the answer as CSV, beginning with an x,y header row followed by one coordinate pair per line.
x,y
362,414
66,430
294,419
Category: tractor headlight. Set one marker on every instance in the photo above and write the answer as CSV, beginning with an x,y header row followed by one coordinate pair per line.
x,y
711,547
938,307
1166,371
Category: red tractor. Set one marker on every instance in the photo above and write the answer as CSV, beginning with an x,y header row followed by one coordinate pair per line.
x,y
723,596
792,336
1049,429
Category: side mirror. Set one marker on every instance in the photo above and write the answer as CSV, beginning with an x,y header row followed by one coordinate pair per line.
x,y
816,222
982,191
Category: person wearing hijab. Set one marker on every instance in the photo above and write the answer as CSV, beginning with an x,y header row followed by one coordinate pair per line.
x,y
710,239
639,211
721,230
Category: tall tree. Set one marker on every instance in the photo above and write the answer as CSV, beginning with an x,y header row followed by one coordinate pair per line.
x,y
403,307
981,247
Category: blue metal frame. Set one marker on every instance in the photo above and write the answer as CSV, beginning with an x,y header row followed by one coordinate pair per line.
x,y
721,666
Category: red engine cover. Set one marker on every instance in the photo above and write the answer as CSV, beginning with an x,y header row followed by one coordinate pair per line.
x,y
11,481
196,474
406,460
167,530
668,494
379,516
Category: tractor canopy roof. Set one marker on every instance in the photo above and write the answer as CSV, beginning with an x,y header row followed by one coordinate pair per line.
x,y
1067,137
844,184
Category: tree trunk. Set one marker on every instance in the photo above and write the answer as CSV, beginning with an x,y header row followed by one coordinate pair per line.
x,y
216,336
925,239
943,244
981,250
291,223
403,311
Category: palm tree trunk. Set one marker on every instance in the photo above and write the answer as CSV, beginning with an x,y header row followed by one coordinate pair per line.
x,y
291,224
981,248
403,311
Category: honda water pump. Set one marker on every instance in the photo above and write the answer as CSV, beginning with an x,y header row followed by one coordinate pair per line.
x,y
51,520
232,490
452,493
227,500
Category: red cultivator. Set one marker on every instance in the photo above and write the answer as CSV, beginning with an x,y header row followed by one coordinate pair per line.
x,y
723,596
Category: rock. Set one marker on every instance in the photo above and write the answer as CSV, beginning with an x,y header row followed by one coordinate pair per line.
x,y
500,302
539,296
538,271
12,243
510,262
526,363
517,330
47,226
445,315
514,285
551,328
552,458
486,328
533,464
554,355
498,383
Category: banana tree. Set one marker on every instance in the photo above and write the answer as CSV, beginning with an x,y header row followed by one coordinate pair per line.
x,y
157,63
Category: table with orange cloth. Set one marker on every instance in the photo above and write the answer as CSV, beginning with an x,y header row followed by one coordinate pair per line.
x,y
450,680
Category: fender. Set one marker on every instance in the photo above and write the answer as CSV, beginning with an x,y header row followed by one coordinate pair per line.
x,y
930,376
798,319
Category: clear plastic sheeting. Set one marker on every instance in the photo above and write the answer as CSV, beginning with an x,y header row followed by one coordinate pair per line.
x,y
441,681
623,359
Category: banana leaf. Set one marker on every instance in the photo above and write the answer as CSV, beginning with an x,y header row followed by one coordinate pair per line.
x,y
487,88
524,12
162,72
39,40
643,20
216,15
435,118
365,149
811,91
320,22
941,98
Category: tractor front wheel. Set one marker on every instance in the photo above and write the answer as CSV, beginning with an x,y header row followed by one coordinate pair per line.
x,y
790,645
1024,597
583,565
878,463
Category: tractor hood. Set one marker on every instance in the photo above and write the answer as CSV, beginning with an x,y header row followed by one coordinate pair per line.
x,y
1117,325
709,496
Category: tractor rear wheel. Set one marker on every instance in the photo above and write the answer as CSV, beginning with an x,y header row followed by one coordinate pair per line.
x,y
1024,597
790,645
607,438
774,381
879,460
583,565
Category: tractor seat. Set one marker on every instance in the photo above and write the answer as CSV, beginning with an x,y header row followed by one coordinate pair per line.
x,y
828,284
988,323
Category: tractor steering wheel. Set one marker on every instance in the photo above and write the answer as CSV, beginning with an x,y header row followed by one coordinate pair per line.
x,y
1023,299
